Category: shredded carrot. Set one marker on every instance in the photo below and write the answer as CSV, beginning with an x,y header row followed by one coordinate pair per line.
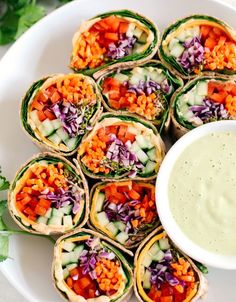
x,y
108,275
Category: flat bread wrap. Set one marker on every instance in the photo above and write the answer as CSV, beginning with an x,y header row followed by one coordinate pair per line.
x,y
112,40
49,195
58,110
90,267
144,90
164,273
203,100
121,146
199,44
124,210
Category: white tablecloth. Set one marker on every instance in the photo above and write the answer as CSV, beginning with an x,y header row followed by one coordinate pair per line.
x,y
7,291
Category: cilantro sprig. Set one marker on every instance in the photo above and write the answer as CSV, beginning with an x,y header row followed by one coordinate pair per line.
x,y
16,16
5,231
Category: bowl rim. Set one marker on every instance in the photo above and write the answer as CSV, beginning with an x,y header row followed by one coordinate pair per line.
x,y
170,225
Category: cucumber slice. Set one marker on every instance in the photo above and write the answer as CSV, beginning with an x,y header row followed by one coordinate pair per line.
x,y
48,213
66,210
142,156
146,279
202,88
181,36
70,267
147,260
55,220
67,221
137,47
62,134
138,32
135,147
172,43
55,139
177,50
144,142
150,167
121,77
164,244
112,228
130,31
68,246
42,219
136,78
143,38
158,76
34,117
120,225
65,273
65,259
154,249
152,154
158,256
122,237
78,250
99,202
48,127
102,218
71,143
198,99
56,124
57,213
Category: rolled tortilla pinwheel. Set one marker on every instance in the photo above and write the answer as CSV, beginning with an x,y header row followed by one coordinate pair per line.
x,y
113,39
49,195
144,90
203,100
163,273
90,267
121,145
58,110
124,210
199,43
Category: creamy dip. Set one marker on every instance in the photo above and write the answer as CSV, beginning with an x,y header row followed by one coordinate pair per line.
x,y
202,192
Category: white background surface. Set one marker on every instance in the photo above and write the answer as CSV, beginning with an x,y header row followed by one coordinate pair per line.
x,y
7,291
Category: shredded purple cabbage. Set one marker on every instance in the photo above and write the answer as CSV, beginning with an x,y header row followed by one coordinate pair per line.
x,y
120,153
193,54
209,109
162,272
70,117
62,198
89,258
122,48
147,87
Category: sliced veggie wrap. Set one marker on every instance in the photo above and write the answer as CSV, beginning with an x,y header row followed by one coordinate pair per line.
x,y
203,100
197,44
121,145
163,273
124,210
49,195
90,267
144,90
113,39
58,110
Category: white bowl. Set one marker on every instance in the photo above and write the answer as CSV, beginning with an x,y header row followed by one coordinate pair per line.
x,y
172,228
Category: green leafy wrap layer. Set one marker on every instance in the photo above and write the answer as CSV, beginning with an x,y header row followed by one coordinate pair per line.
x,y
199,43
121,145
90,267
113,39
58,110
49,195
144,90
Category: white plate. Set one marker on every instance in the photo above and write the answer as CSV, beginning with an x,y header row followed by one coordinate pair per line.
x,y
45,49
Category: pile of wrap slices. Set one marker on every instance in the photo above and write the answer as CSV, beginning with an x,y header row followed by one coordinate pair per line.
x,y
98,169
